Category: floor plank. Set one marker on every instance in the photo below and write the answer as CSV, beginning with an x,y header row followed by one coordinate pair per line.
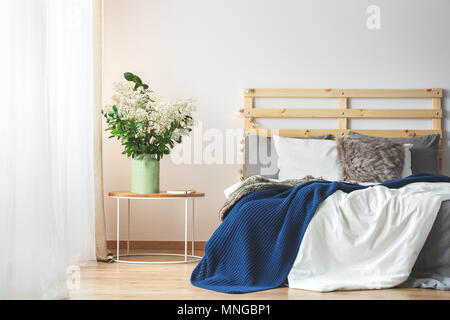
x,y
171,282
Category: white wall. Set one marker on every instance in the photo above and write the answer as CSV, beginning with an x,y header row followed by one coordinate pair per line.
x,y
211,49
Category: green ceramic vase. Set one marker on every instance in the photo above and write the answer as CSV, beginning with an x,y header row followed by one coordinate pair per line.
x,y
145,175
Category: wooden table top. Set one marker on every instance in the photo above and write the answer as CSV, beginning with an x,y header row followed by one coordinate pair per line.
x,y
162,194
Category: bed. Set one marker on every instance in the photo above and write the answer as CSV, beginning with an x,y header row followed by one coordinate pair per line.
x,y
320,219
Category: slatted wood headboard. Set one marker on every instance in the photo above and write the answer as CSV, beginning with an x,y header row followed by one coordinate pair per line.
x,y
342,112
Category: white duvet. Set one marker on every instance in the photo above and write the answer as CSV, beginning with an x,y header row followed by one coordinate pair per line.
x,y
367,239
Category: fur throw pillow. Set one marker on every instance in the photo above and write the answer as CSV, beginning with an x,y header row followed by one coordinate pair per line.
x,y
364,160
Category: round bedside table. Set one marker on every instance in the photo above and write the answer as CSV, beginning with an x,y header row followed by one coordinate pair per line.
x,y
127,195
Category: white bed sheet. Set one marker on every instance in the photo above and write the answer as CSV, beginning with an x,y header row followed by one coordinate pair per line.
x,y
367,239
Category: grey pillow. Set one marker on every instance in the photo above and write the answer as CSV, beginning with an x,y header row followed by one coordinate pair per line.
x,y
368,160
261,157
424,153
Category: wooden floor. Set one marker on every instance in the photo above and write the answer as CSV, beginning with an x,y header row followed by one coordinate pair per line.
x,y
171,282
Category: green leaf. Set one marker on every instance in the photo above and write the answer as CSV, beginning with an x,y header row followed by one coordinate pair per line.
x,y
129,76
137,80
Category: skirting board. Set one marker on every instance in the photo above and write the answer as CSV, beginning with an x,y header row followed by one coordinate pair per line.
x,y
155,245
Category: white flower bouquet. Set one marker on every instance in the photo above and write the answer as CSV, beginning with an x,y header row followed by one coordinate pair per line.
x,y
143,122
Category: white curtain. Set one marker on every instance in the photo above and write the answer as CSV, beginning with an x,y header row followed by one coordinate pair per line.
x,y
46,145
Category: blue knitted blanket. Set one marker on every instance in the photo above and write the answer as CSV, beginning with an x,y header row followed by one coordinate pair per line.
x,y
255,247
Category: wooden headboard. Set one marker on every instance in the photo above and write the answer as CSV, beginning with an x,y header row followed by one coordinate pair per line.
x,y
342,112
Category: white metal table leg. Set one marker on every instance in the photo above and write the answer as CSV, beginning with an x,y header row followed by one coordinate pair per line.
x,y
128,254
185,228
193,225
118,228
128,232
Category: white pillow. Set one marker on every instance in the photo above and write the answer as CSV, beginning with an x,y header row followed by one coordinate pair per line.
x,y
407,171
228,191
298,158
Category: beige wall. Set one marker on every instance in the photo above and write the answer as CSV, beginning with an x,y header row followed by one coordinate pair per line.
x,y
210,50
